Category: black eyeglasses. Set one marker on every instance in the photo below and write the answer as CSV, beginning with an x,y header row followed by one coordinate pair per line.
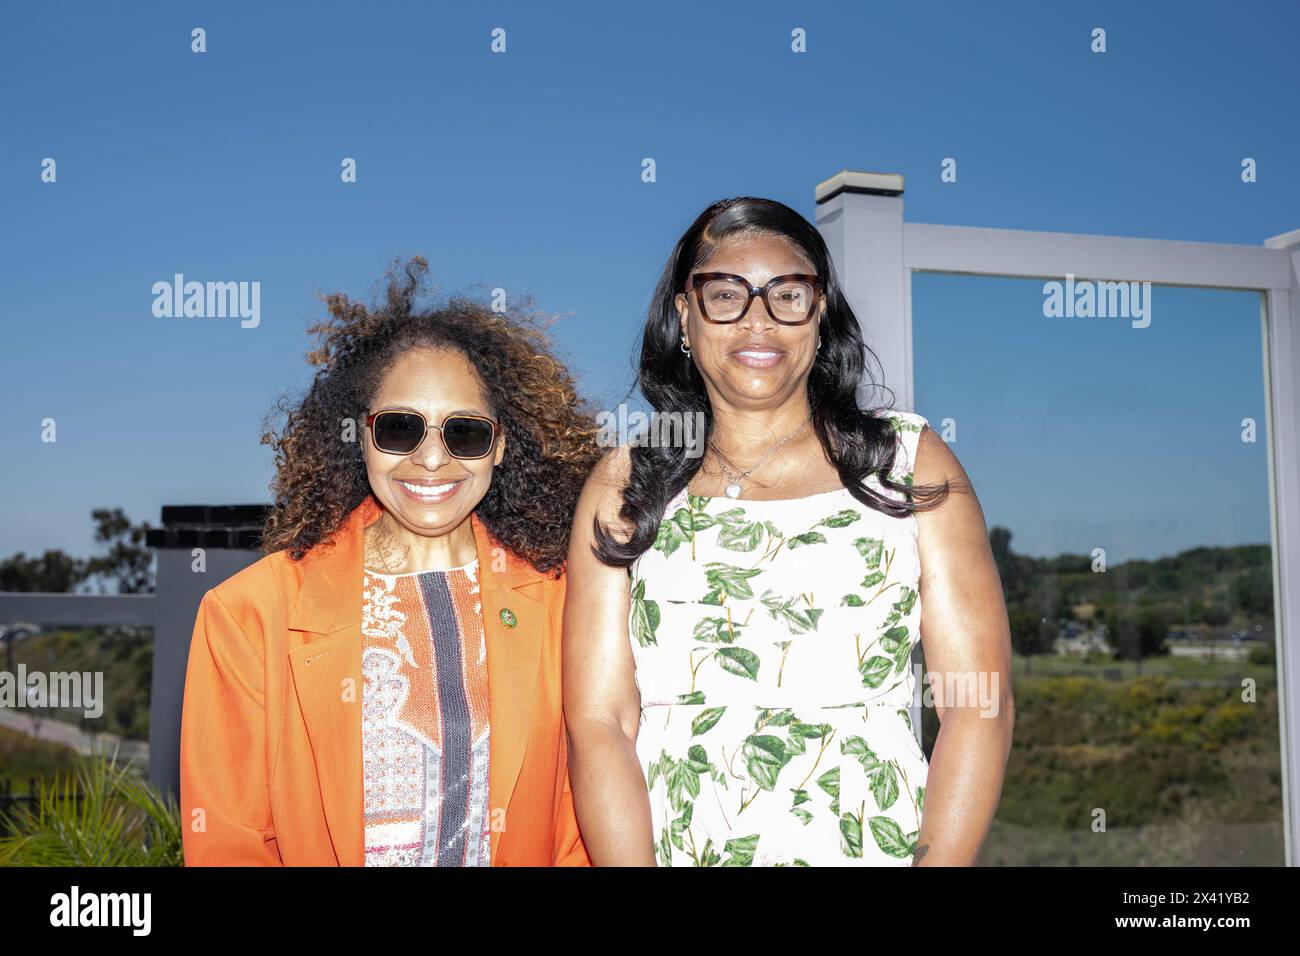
x,y
400,433
724,297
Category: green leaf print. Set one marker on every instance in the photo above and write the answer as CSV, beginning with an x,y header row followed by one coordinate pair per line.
x,y
871,549
764,757
797,806
884,784
744,537
694,519
681,825
729,579
830,781
767,717
893,639
897,640
902,656
716,630
872,579
697,758
890,838
850,835
680,780
808,537
705,721
645,616
657,767
881,774
664,849
708,856
795,746
740,851
874,670
841,519
852,600
809,731
920,799
796,620
670,537
682,777
694,697
738,661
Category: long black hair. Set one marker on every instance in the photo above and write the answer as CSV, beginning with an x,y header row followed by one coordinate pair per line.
x,y
858,442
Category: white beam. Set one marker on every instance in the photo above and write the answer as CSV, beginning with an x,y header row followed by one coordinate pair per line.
x,y
1052,255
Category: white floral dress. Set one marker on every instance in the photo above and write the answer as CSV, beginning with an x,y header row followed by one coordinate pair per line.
x,y
772,642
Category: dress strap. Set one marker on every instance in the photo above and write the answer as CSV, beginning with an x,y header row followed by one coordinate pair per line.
x,y
907,428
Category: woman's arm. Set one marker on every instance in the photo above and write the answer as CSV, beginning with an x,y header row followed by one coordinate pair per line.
x,y
602,707
225,806
966,638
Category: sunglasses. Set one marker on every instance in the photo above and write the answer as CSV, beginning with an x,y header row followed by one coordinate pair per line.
x,y
400,433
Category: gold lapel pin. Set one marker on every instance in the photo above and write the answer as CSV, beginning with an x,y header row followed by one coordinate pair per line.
x,y
508,617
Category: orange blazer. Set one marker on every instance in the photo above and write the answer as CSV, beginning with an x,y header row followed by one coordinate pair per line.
x,y
271,767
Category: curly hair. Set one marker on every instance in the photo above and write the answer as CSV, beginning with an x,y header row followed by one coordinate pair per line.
x,y
550,435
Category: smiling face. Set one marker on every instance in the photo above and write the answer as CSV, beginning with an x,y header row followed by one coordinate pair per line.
x,y
428,492
757,362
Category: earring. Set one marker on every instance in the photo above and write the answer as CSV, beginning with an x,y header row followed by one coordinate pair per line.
x,y
819,342
683,346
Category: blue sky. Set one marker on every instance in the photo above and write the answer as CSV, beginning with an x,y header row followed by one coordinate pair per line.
x,y
522,171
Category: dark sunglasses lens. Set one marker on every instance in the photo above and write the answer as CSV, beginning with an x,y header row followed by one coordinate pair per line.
x,y
398,433
467,437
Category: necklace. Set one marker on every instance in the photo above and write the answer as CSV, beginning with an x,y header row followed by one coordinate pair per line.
x,y
733,488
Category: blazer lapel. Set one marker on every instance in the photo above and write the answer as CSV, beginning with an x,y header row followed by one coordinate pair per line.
x,y
327,670
327,676
510,594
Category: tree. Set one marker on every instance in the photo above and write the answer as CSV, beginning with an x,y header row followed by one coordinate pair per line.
x,y
129,561
1026,636
53,572
1152,628
1004,558
1252,591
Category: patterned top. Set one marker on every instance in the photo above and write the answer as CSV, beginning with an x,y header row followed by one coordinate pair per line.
x,y
772,642
424,727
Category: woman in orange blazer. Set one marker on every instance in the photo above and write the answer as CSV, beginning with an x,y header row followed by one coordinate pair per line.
x,y
383,687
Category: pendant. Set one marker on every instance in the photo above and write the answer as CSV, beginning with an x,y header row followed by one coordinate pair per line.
x,y
733,490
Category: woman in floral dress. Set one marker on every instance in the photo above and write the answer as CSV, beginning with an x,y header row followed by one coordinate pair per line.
x,y
744,597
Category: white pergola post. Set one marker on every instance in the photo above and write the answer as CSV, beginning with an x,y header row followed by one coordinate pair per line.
x,y
860,215
1282,378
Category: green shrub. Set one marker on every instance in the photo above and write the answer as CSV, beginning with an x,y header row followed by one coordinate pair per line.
x,y
101,814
